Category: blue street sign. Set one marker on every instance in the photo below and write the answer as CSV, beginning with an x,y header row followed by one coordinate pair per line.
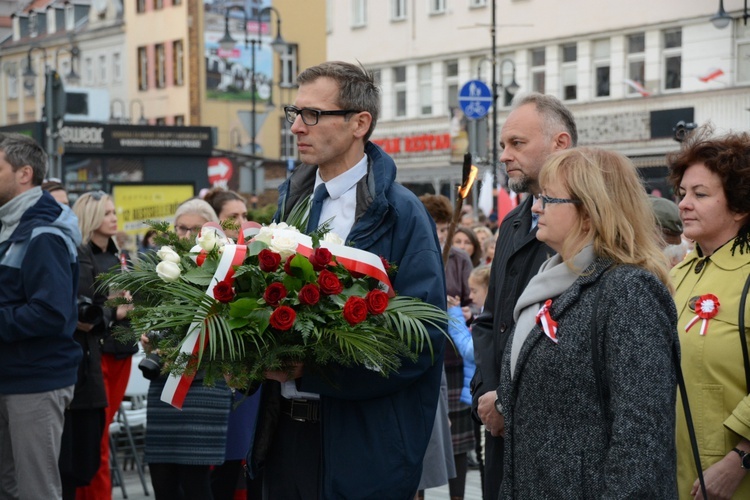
x,y
475,99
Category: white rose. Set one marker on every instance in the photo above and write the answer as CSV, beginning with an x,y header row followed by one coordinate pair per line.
x,y
331,237
166,254
168,271
265,234
284,246
208,240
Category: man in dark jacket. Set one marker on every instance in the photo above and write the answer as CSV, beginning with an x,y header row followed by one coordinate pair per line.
x,y
537,126
350,432
38,356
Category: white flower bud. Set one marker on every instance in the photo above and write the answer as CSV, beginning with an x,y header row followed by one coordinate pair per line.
x,y
168,271
208,240
283,245
331,237
166,254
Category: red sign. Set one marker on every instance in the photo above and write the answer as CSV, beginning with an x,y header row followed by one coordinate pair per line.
x,y
219,171
414,143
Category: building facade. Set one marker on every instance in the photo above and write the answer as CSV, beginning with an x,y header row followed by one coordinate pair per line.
x,y
629,72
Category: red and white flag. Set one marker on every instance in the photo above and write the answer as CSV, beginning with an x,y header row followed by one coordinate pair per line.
x,y
711,74
637,87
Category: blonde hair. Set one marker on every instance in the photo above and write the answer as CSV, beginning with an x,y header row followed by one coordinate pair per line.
x,y
90,209
481,274
614,212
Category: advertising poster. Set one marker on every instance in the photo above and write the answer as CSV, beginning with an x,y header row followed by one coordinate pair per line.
x,y
137,203
229,71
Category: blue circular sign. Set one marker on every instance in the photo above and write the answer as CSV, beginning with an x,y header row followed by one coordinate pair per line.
x,y
475,99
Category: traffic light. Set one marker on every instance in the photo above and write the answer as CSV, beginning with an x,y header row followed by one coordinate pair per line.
x,y
55,93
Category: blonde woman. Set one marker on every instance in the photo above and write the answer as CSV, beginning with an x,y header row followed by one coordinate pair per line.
x,y
602,419
104,372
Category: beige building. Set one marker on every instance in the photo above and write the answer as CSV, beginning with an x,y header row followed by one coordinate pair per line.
x,y
629,71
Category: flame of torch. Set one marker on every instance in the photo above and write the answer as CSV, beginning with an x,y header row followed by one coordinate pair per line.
x,y
468,177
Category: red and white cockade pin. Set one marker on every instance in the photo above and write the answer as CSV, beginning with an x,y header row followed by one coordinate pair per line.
x,y
706,307
549,325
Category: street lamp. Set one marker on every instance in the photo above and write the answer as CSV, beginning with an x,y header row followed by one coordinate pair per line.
x,y
142,120
75,54
721,19
235,133
121,117
54,109
513,86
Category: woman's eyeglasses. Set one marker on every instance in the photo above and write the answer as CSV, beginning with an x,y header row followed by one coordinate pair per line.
x,y
183,230
547,200
311,116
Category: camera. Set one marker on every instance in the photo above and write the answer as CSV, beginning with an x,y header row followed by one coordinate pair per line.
x,y
682,129
151,365
88,312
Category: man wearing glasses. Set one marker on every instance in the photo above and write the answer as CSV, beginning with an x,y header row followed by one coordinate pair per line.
x,y
350,432
38,357
537,126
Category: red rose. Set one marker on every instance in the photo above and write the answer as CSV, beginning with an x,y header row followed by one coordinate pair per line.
x,y
223,291
268,261
288,265
274,293
329,283
386,264
309,295
320,258
355,310
377,301
282,318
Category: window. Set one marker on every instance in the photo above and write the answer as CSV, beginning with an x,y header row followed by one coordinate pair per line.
x,y
477,3
161,66
179,120
142,68
538,62
569,71
158,4
289,68
451,84
140,6
377,77
89,69
742,34
178,65
437,6
116,67
672,59
399,90
33,24
70,18
398,10
601,60
425,89
288,145
102,69
359,13
161,121
636,60
12,74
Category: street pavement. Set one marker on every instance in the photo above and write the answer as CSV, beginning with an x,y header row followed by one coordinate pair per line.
x,y
134,489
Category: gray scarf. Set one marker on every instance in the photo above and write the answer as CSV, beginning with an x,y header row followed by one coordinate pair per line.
x,y
11,212
553,278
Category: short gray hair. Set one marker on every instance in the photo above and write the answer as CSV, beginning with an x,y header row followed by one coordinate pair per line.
x,y
557,118
21,150
357,88
196,206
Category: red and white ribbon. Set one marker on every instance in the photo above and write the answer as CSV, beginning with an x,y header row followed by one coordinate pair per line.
x,y
549,325
706,307
353,259
177,386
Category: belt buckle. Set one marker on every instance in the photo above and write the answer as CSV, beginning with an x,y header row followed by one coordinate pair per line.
x,y
303,405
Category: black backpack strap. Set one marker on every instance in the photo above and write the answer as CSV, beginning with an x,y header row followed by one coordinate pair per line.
x,y
678,374
743,335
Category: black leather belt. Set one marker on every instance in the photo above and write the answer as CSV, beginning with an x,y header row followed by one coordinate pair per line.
x,y
301,410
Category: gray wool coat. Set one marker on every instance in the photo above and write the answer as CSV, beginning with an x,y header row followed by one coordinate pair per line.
x,y
556,443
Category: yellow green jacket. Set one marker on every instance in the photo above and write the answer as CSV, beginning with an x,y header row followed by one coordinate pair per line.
x,y
712,363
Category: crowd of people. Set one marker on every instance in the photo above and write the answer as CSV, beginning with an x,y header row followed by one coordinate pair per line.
x,y
570,324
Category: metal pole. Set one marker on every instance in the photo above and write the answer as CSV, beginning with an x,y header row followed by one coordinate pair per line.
x,y
494,103
252,111
50,135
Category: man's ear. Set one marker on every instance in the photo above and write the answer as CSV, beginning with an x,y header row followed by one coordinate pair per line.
x,y
25,175
362,120
562,141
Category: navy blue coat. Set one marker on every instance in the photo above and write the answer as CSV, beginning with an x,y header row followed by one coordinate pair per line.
x,y
375,430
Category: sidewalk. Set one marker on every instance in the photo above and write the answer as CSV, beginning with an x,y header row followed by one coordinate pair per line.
x,y
134,489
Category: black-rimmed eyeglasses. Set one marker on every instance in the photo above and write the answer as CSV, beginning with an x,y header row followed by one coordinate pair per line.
x,y
311,116
547,200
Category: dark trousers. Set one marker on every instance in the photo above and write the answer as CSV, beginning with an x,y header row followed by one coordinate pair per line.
x,y
293,466
493,466
181,482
